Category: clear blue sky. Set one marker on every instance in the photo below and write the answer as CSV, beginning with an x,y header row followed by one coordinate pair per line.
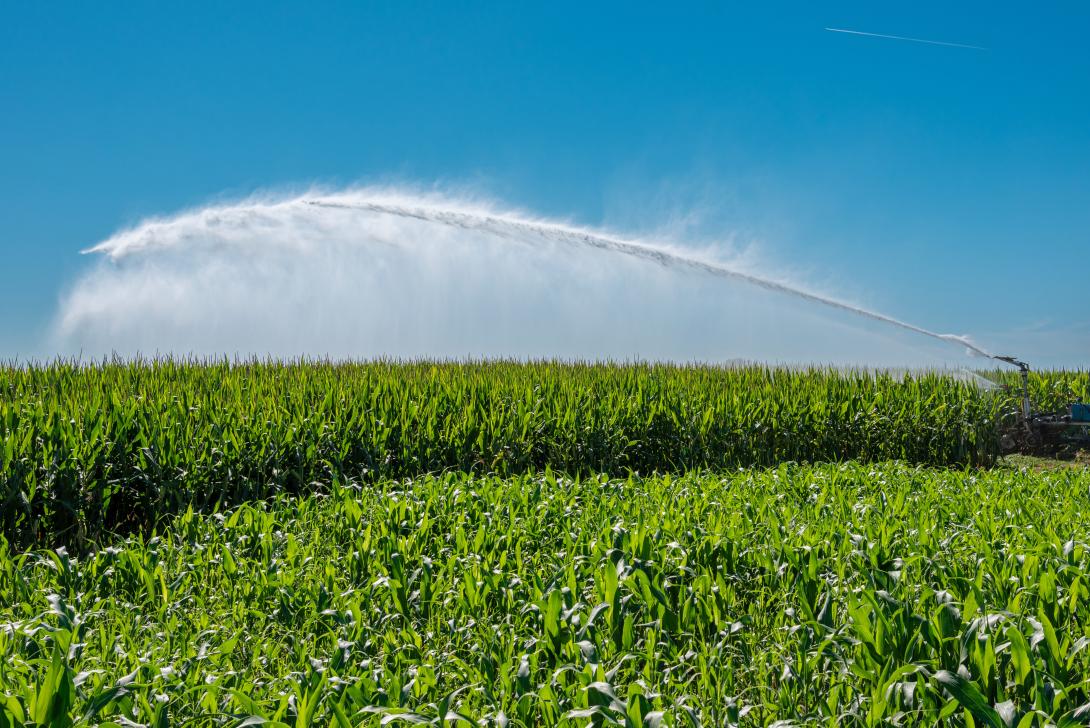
x,y
946,186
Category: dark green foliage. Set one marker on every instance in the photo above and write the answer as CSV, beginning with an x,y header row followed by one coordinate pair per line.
x,y
89,450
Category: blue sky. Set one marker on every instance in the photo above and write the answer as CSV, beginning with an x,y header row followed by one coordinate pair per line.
x,y
946,186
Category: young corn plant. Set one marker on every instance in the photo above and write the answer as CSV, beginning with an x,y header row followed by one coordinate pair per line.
x,y
845,594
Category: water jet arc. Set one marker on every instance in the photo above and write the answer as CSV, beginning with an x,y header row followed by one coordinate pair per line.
x,y
507,226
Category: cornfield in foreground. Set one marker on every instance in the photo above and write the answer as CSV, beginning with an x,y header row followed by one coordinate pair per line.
x,y
90,450
834,595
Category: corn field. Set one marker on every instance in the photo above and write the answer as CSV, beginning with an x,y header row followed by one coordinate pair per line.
x,y
834,595
506,544
88,451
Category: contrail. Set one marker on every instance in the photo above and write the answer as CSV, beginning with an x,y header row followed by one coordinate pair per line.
x,y
914,40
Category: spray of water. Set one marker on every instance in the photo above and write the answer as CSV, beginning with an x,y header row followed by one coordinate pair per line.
x,y
513,227
197,275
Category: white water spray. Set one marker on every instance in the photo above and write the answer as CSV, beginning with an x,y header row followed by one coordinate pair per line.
x,y
240,277
508,226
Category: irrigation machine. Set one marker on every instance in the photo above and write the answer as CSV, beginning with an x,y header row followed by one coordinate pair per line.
x,y
1044,432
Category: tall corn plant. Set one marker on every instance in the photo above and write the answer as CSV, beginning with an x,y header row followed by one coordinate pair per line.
x,y
89,449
